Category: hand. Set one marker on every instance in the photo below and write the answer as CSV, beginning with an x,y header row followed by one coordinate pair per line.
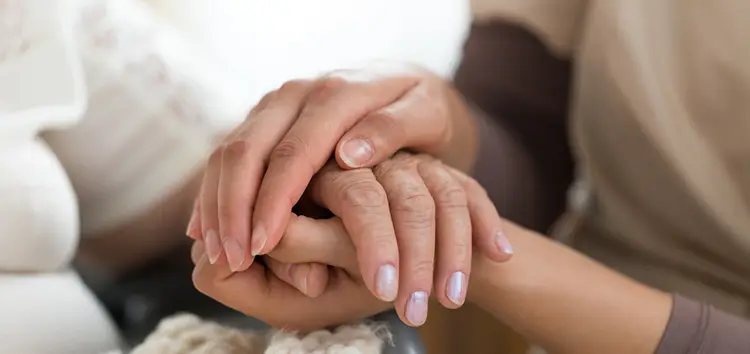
x,y
364,116
316,255
432,207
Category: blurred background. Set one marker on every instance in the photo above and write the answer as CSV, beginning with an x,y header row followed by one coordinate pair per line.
x,y
81,194
109,109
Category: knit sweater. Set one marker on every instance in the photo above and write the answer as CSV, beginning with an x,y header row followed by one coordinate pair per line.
x,y
188,334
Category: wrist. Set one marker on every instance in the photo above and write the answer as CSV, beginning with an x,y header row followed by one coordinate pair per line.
x,y
491,281
567,302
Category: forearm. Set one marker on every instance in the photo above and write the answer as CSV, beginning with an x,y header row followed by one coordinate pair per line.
x,y
568,303
522,90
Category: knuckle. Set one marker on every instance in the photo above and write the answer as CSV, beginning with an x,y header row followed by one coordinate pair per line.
x,y
384,169
233,150
363,194
417,209
398,170
450,195
267,97
475,188
215,158
325,89
289,147
415,201
329,85
422,269
264,101
293,86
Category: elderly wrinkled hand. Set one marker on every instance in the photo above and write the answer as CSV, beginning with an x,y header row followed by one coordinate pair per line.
x,y
316,271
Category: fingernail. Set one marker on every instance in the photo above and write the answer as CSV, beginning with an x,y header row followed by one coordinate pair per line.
x,y
456,286
235,254
416,308
386,283
191,231
356,152
503,244
213,246
299,276
259,240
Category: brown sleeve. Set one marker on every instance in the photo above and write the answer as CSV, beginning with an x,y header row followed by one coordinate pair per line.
x,y
505,168
698,328
522,88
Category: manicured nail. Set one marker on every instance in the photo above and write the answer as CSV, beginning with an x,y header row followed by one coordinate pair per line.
x,y
356,152
456,286
416,308
259,240
191,230
503,244
213,246
235,254
386,285
299,273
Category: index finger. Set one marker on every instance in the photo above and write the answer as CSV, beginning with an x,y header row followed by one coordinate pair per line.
x,y
333,107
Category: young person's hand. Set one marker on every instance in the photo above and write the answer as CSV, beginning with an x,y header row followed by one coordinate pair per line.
x,y
360,116
437,213
315,255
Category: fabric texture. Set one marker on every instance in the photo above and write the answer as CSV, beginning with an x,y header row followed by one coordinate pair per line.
x,y
147,87
659,119
164,80
187,334
558,23
697,327
521,95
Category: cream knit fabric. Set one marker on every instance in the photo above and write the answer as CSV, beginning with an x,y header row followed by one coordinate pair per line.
x,y
188,334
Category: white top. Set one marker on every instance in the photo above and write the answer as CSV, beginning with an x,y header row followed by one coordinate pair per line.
x,y
130,96
164,80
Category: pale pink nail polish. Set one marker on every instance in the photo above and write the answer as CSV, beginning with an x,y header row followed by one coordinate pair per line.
x,y
386,283
503,244
235,254
456,290
416,308
213,246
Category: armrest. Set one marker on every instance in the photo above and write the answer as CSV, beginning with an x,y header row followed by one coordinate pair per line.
x,y
406,339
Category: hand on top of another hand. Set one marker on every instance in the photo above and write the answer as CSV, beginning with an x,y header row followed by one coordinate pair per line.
x,y
437,214
255,177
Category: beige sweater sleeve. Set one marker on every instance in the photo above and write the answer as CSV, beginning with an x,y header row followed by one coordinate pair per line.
x,y
557,22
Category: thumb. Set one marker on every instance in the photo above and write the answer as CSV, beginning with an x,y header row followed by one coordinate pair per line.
x,y
323,241
417,120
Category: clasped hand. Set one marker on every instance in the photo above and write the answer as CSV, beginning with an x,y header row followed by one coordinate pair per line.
x,y
403,225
